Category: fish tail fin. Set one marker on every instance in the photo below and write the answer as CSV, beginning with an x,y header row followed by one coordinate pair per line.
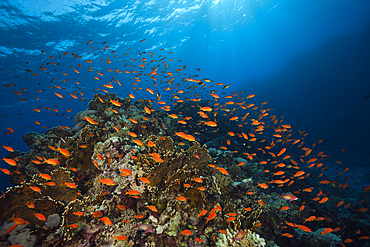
x,y
233,240
11,217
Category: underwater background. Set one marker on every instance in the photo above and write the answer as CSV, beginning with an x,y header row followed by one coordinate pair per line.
x,y
305,65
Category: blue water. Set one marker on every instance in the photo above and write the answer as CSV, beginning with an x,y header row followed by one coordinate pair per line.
x,y
308,59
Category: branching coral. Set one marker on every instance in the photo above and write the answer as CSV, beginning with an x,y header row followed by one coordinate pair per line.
x,y
251,239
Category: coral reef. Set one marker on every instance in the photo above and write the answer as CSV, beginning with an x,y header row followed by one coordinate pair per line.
x,y
128,174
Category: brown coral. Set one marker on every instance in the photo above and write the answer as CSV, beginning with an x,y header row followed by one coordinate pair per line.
x,y
14,204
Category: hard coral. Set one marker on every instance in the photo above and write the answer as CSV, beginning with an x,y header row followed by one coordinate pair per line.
x,y
178,165
251,239
15,204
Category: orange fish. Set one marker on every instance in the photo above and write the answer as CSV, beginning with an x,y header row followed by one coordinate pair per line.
x,y
40,217
151,144
97,214
6,171
287,235
303,228
10,229
300,173
198,240
132,193
312,218
45,176
152,208
202,213
132,134
361,210
232,214
218,207
37,189
137,142
210,123
30,205
186,233
73,226
90,120
116,103
364,238
10,161
222,170
326,230
59,95
145,180
99,157
323,200
125,172
120,238
52,162
230,219
8,148
78,213
263,185
50,183
106,221
71,185
290,224
147,110
281,152
19,221
156,157
278,173
211,216
63,151
181,198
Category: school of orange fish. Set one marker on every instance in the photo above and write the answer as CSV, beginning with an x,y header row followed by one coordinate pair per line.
x,y
278,146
